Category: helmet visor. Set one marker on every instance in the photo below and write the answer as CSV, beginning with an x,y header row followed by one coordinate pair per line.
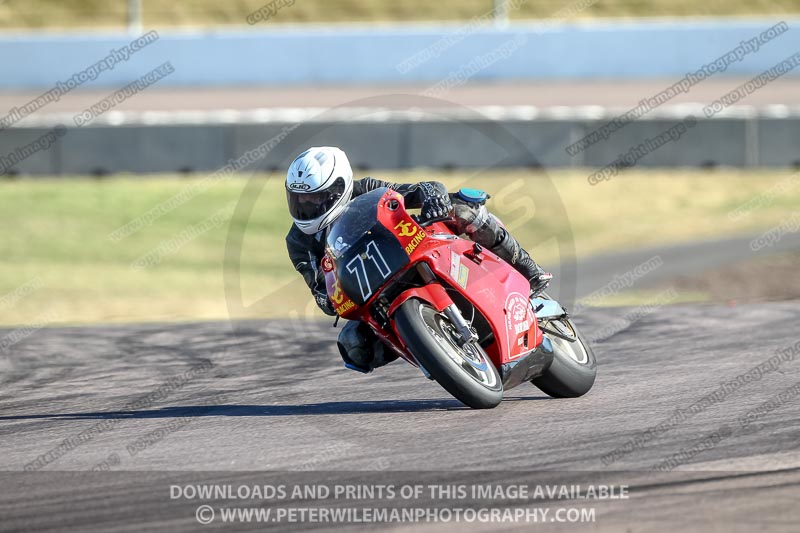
x,y
311,205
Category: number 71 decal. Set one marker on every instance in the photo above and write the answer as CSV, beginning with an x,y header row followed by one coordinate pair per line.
x,y
358,266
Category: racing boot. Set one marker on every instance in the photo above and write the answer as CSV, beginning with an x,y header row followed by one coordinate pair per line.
x,y
510,250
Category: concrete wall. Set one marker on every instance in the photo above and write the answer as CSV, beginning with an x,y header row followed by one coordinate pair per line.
x,y
396,144
310,54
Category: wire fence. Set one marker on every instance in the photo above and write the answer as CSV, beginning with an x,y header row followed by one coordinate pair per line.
x,y
134,14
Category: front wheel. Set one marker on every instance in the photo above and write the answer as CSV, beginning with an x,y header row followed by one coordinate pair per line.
x,y
574,367
465,371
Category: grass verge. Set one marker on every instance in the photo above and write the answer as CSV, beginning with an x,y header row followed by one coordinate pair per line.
x,y
56,235
93,14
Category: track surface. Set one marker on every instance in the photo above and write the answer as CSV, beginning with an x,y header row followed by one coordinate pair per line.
x,y
277,399
616,94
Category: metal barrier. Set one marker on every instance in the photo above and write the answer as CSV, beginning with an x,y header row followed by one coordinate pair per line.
x,y
740,137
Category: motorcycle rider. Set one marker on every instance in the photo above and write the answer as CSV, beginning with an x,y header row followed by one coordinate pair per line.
x,y
319,184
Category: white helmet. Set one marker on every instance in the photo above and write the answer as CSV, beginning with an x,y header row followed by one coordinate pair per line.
x,y
318,186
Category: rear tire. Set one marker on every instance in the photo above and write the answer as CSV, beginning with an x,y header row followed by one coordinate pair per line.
x,y
574,367
465,372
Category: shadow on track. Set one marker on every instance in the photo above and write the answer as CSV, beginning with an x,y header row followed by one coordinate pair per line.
x,y
325,408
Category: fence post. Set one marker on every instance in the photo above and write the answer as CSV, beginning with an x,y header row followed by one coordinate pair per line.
x,y
135,17
500,13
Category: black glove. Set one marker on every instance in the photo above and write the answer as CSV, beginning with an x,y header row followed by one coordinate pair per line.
x,y
324,303
435,200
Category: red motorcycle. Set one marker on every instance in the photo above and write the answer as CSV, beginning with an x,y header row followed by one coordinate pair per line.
x,y
446,305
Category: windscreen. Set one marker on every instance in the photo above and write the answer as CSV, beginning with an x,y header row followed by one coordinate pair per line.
x,y
366,253
358,217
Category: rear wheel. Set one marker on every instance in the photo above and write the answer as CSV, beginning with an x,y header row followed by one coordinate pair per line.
x,y
574,367
465,371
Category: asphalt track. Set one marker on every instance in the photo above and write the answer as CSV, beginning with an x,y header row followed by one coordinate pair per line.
x,y
271,396
618,94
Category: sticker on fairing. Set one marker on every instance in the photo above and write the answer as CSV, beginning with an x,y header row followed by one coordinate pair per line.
x,y
458,271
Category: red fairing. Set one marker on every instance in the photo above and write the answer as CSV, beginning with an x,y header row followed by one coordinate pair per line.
x,y
495,289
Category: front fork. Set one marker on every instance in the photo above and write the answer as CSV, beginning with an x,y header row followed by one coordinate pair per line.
x,y
465,333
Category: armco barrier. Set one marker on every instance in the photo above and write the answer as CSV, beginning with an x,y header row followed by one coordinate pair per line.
x,y
145,149
740,137
719,141
778,141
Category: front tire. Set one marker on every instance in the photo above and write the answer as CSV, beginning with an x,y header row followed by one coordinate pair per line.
x,y
466,371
